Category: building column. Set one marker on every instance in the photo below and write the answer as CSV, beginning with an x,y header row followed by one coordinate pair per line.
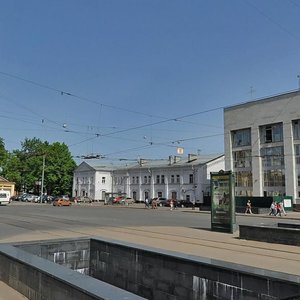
x,y
166,185
257,175
289,161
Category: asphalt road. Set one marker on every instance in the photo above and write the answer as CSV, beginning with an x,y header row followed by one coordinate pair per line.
x,y
26,219
183,230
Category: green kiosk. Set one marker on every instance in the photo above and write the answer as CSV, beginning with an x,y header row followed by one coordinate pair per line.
x,y
222,202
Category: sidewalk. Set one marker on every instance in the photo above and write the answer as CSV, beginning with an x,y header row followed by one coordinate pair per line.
x,y
191,241
7,293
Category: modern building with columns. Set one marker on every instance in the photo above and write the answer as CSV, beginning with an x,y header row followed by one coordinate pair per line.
x,y
181,178
262,146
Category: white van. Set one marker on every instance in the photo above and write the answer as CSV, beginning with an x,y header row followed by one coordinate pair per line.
x,y
4,197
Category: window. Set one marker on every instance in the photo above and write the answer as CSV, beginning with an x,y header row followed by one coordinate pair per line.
x,y
272,156
241,138
158,179
103,179
133,180
243,179
188,198
146,195
137,180
149,179
297,154
296,129
177,178
242,159
274,178
172,178
162,180
159,194
191,178
145,179
272,133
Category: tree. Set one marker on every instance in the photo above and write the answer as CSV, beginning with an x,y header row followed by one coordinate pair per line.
x,y
25,167
12,169
59,169
3,154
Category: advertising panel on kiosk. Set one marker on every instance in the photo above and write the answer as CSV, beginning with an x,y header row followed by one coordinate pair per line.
x,y
222,202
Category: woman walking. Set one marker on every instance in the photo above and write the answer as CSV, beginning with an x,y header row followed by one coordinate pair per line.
x,y
248,208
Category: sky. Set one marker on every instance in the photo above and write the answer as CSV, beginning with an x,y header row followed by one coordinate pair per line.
x,y
131,79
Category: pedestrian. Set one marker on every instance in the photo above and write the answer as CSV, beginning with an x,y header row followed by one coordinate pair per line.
x,y
282,208
146,203
193,205
154,204
272,209
278,209
171,204
248,207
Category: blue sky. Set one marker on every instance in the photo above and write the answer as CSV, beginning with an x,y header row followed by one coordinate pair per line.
x,y
134,79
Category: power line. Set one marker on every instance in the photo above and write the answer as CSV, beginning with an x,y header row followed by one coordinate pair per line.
x,y
271,20
65,93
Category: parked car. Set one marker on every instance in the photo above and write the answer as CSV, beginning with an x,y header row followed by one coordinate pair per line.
x,y
129,201
29,198
160,201
61,202
84,200
175,203
139,201
45,199
185,203
119,200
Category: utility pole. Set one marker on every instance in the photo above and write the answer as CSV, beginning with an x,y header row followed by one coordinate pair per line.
x,y
43,174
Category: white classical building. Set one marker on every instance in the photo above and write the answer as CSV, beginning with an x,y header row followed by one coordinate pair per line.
x,y
262,146
176,177
90,179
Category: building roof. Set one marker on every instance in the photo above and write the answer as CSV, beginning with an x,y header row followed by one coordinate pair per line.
x,y
3,179
172,161
265,99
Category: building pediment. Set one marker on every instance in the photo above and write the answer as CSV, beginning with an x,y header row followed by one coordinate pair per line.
x,y
83,167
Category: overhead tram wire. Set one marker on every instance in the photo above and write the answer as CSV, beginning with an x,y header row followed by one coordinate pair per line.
x,y
96,135
271,20
166,144
62,92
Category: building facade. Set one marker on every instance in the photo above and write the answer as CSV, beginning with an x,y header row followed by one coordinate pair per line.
x,y
178,178
7,186
262,146
92,180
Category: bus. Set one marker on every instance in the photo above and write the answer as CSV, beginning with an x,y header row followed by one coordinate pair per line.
x,y
4,197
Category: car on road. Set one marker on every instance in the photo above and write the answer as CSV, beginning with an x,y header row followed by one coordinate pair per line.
x,y
61,202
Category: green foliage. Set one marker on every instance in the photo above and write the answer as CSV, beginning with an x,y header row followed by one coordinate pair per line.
x,y
25,167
